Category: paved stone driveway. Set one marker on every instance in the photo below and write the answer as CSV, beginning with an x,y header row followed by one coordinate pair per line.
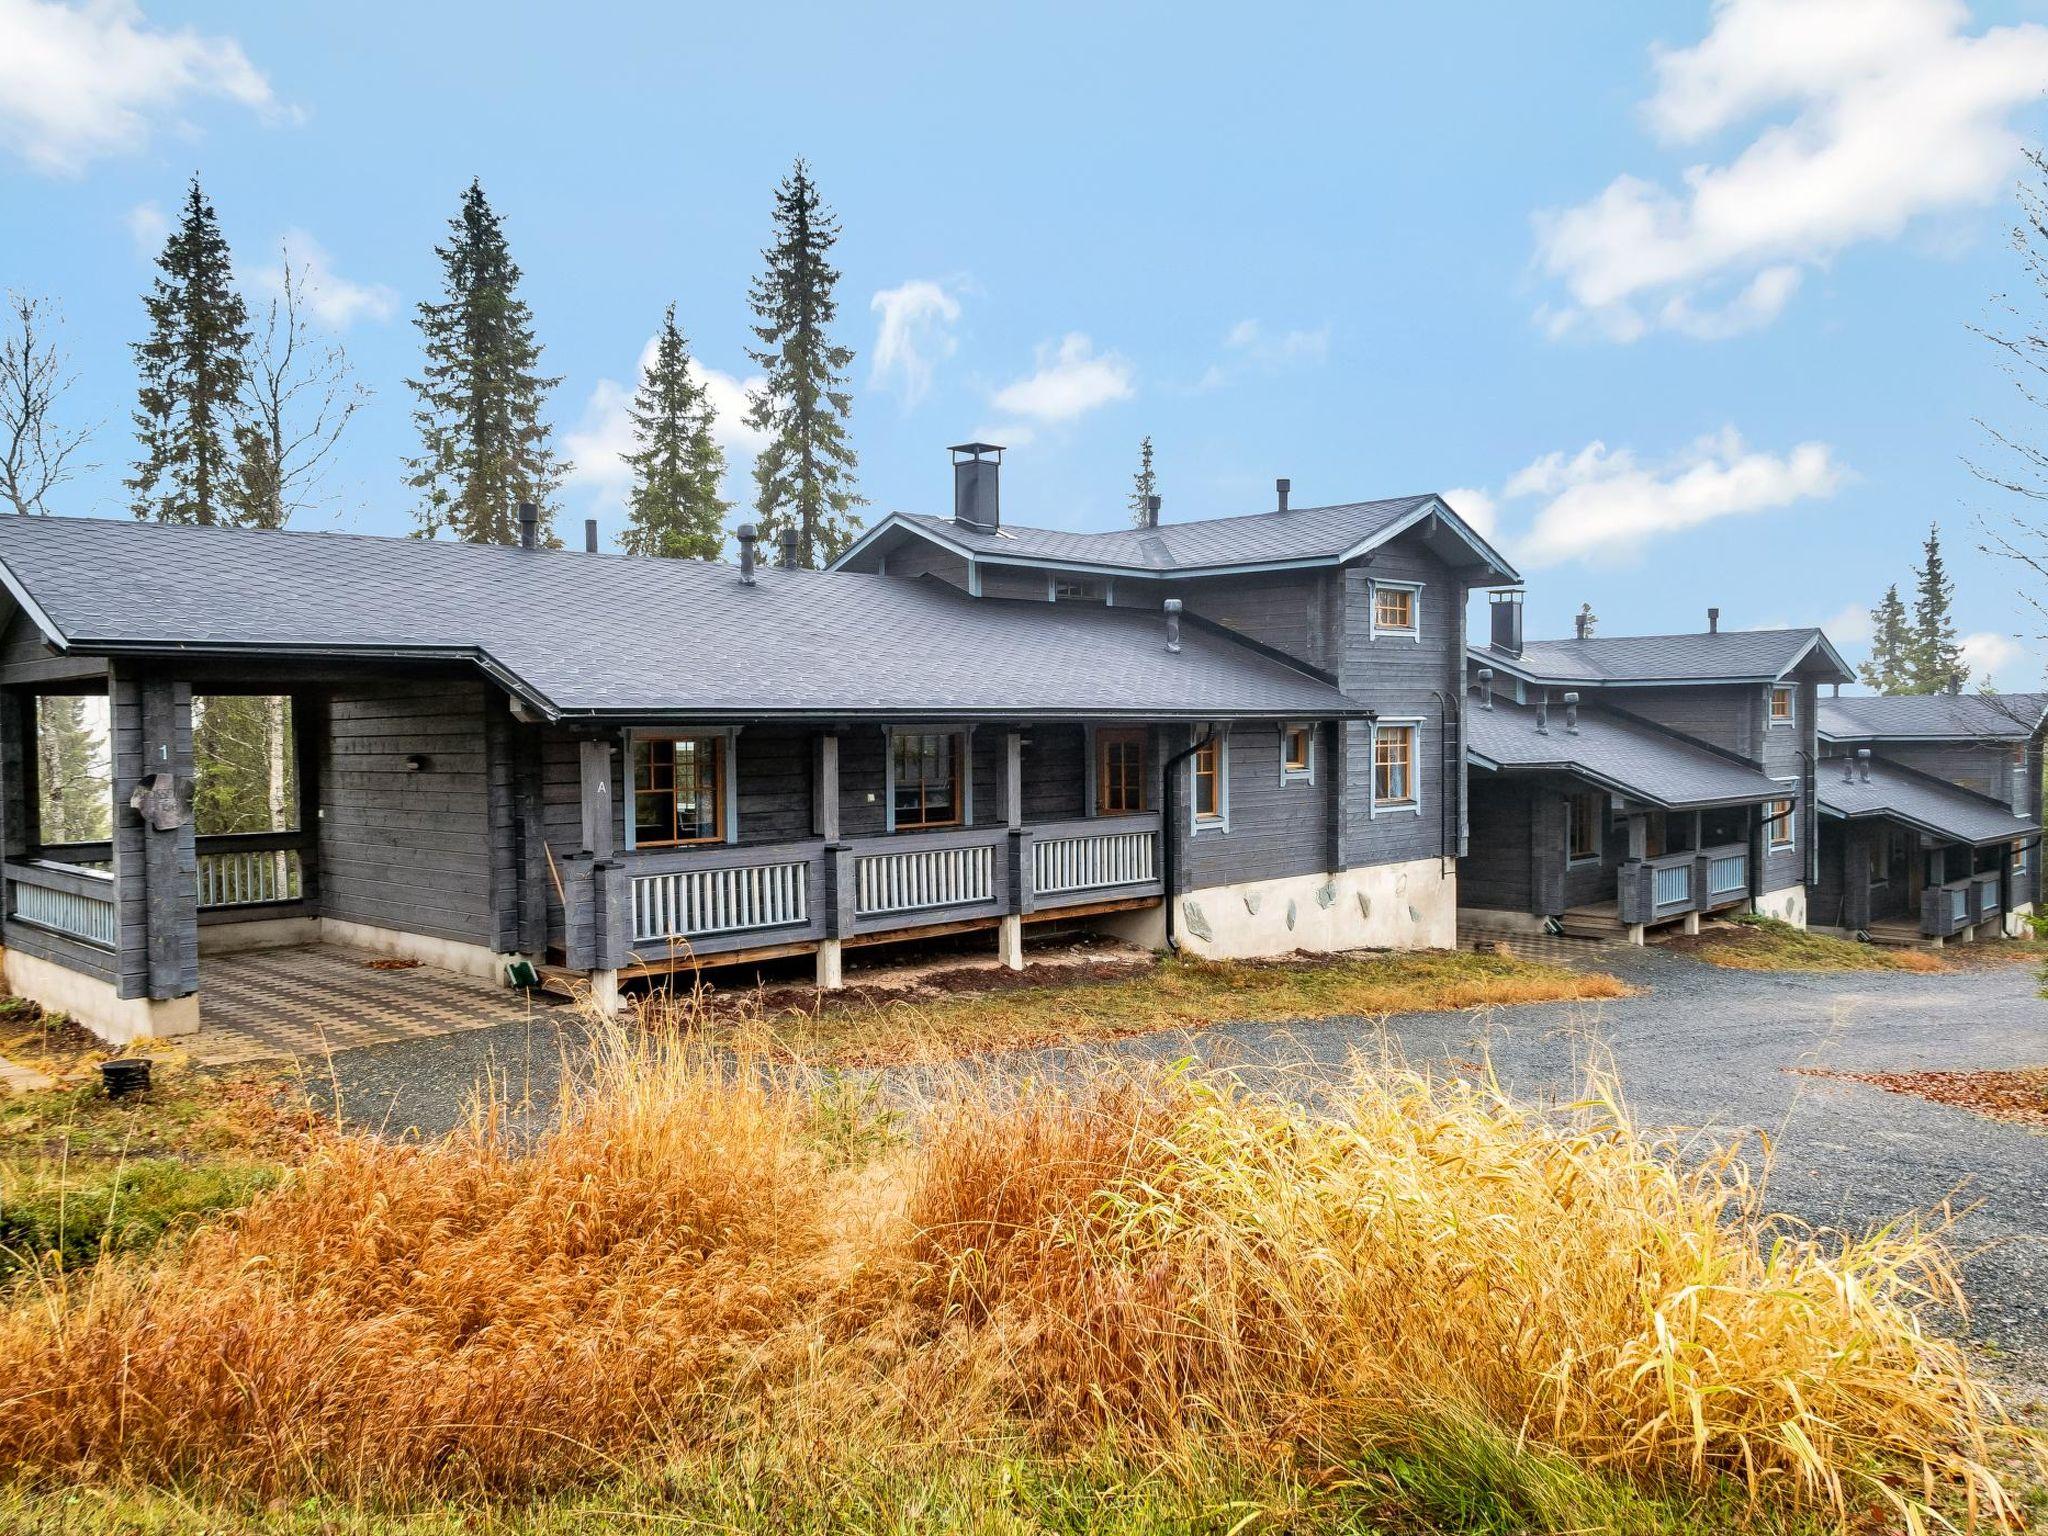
x,y
1700,1047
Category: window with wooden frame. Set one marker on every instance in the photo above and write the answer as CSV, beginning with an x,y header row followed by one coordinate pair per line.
x,y
1778,828
678,790
1297,754
1394,608
1393,767
1781,706
1119,772
1583,814
1073,589
926,769
1205,770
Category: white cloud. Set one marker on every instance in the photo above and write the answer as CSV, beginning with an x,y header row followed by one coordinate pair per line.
x,y
329,297
1881,111
913,337
1071,380
147,227
1605,505
1250,338
606,431
1988,654
1478,509
80,82
1850,625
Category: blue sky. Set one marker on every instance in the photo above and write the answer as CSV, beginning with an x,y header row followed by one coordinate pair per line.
x,y
1673,298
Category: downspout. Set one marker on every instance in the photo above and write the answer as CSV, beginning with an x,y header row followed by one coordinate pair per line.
x,y
1452,832
1169,833
1809,814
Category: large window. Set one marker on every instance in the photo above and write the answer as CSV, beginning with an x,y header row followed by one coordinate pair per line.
x,y
1206,769
925,772
1393,766
74,772
245,762
1778,818
1119,772
678,790
1583,814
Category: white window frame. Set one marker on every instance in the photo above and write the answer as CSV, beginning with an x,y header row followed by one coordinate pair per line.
x,y
729,786
889,735
1791,820
1306,774
1052,588
1599,829
1771,719
1372,609
1220,822
1394,807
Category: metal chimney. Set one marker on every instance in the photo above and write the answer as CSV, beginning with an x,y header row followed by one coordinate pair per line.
x,y
748,534
789,548
1173,625
1485,680
1713,621
1863,762
975,503
1543,712
1507,621
1583,621
590,535
529,525
1848,768
1280,488
1571,714
1151,511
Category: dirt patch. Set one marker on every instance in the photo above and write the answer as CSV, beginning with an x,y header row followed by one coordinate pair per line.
x,y
2018,1095
52,1043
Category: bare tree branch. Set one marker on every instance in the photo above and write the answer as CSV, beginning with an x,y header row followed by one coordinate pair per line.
x,y
300,394
36,454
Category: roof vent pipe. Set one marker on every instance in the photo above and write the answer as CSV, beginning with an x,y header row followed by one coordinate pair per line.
x,y
1713,621
590,535
1848,768
748,534
1280,488
1543,713
1485,678
789,548
1571,713
529,526
1173,625
1863,762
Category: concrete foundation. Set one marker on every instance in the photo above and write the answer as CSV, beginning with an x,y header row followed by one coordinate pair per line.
x,y
1788,904
1498,920
831,965
2016,924
1411,905
92,1002
446,954
1010,942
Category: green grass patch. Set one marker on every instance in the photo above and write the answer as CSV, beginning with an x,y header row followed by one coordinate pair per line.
x,y
1000,1010
1752,942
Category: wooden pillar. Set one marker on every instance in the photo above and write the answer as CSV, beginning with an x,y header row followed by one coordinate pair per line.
x,y
17,774
594,760
825,786
1010,774
836,876
600,845
309,753
155,865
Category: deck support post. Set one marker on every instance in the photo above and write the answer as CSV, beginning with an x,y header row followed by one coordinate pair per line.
x,y
1635,934
1010,941
1692,922
604,993
831,965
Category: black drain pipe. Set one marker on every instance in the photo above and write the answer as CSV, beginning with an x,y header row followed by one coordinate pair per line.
x,y
1169,832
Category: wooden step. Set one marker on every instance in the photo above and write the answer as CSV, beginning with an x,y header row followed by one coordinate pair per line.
x,y
1577,925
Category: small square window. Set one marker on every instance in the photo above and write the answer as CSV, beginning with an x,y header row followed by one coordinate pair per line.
x,y
1297,753
1781,706
1393,610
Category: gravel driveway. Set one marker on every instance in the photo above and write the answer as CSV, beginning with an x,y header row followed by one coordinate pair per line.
x,y
1699,1047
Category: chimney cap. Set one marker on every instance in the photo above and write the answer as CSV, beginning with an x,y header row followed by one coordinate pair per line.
x,y
976,450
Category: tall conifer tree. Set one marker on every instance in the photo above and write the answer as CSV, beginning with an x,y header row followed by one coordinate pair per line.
x,y
1935,659
1144,484
803,477
678,468
1885,671
189,404
72,768
484,444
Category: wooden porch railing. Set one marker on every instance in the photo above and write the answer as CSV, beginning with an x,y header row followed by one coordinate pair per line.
x,y
887,884
65,899
251,869
1673,884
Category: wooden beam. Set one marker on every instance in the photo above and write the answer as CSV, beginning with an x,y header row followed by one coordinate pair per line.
x,y
594,757
825,786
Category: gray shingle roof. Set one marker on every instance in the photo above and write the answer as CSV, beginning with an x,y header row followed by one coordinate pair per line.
x,y
583,634
1933,716
1634,759
1733,655
1300,534
1946,810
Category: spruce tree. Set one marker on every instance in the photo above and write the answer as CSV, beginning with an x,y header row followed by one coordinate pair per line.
x,y
803,477
1935,660
1885,671
72,769
678,468
189,404
484,445
1144,485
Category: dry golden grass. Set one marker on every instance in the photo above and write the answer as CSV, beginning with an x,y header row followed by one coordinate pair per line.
x,y
1751,943
1178,993
707,1260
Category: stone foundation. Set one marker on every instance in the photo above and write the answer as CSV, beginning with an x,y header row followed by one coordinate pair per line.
x,y
1787,904
1382,906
